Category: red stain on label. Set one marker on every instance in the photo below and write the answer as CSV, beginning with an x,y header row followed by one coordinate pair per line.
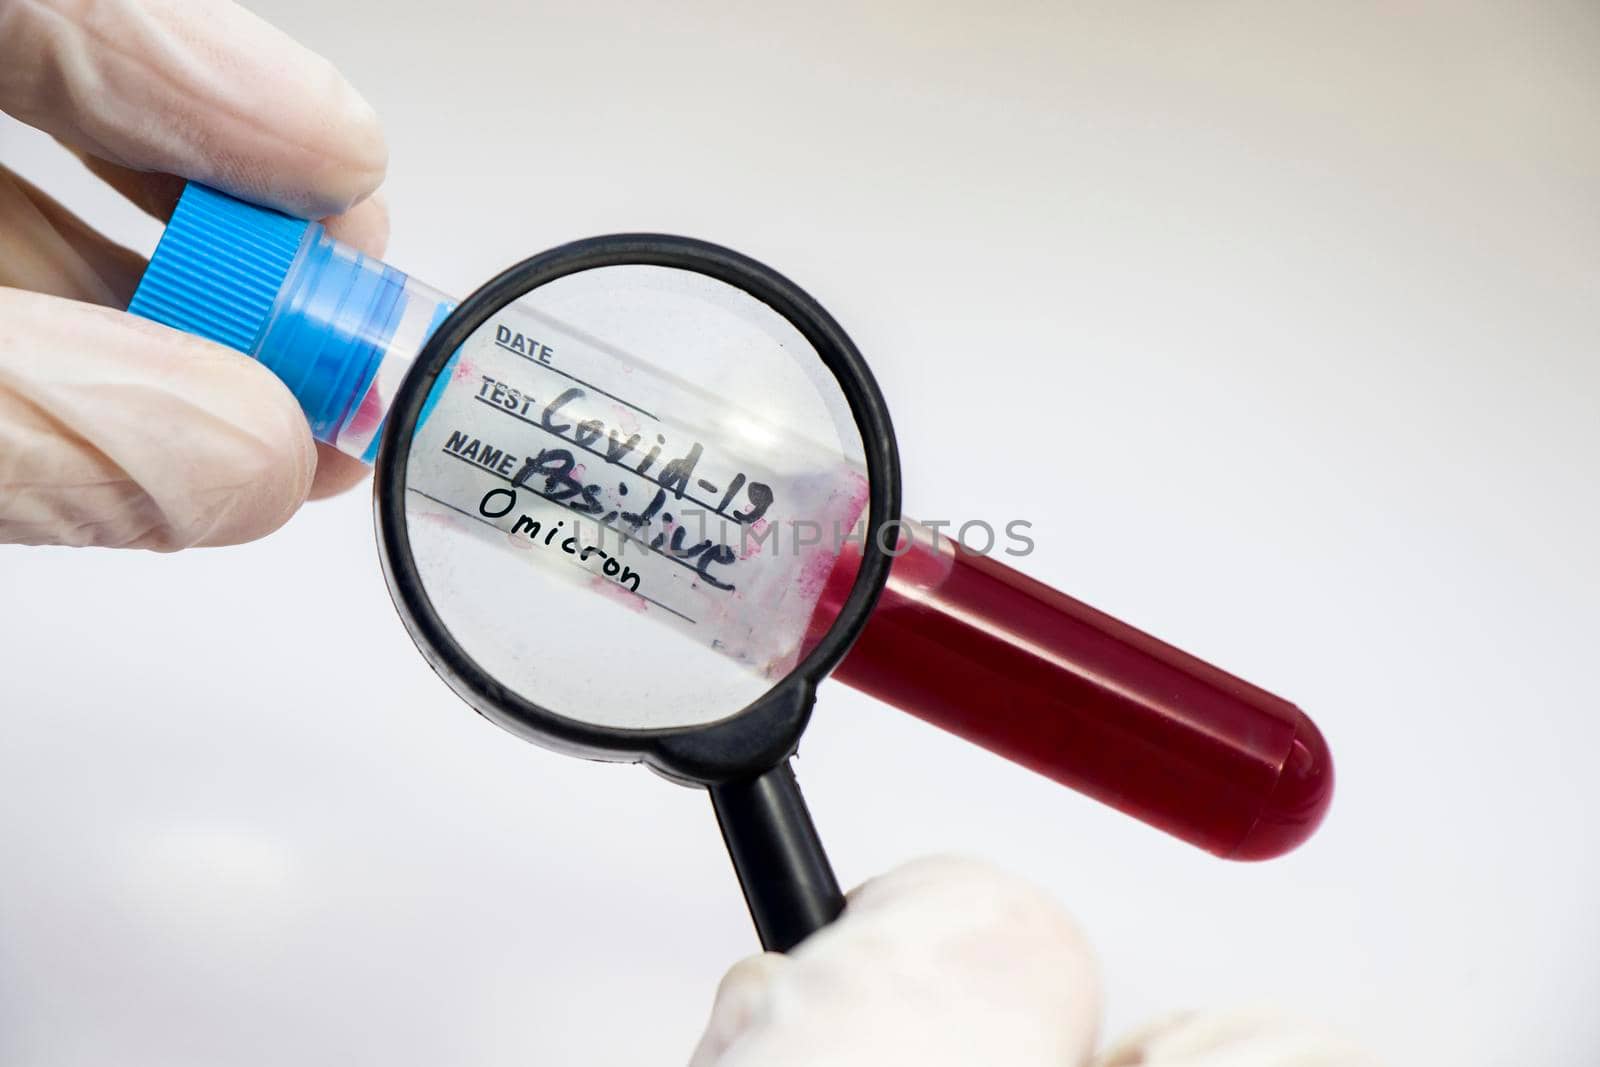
x,y
814,572
618,594
749,546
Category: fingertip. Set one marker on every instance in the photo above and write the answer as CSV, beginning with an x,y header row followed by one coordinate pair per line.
x,y
364,227
366,145
739,1000
743,988
249,461
746,980
265,460
348,154
336,473
139,436
220,96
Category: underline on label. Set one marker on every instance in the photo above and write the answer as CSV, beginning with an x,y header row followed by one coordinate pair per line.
x,y
580,381
491,524
624,534
601,455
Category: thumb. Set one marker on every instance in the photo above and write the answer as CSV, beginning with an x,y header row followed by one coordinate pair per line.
x,y
198,88
118,432
941,962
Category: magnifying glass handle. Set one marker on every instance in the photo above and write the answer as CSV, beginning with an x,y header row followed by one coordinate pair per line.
x,y
786,878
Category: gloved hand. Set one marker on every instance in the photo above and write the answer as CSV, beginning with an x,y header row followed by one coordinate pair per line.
x,y
949,963
113,430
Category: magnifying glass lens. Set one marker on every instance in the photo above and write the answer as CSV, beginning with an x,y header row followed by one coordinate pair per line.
x,y
626,492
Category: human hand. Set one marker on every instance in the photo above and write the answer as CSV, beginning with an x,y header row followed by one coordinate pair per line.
x,y
949,963
113,430
939,962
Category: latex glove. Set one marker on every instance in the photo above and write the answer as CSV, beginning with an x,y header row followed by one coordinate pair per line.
x,y
941,962
950,963
1234,1039
113,430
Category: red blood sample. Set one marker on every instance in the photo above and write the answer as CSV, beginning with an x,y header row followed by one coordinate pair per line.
x,y
1010,664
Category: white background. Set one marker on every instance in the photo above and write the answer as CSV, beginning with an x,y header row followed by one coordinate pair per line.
x,y
1284,316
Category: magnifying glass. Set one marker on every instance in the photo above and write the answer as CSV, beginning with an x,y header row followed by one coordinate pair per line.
x,y
638,495
723,438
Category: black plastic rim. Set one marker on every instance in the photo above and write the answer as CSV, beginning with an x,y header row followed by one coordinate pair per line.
x,y
766,730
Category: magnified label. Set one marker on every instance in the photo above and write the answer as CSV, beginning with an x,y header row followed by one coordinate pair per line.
x,y
635,475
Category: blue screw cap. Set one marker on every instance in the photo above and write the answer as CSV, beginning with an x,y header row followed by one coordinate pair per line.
x,y
316,313
219,268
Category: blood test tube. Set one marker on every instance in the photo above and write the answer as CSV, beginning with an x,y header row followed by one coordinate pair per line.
x,y
1006,662
959,640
